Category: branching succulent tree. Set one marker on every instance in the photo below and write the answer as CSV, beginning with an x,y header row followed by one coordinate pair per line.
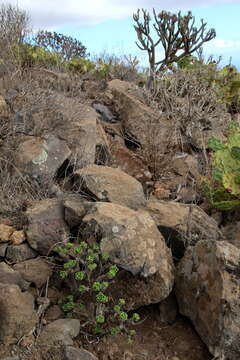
x,y
67,46
178,35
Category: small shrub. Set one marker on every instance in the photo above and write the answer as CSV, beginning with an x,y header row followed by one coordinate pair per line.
x,y
81,66
92,274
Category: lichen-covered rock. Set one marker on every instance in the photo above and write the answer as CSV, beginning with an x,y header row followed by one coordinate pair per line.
x,y
17,314
110,184
46,225
208,292
35,271
134,243
40,158
182,224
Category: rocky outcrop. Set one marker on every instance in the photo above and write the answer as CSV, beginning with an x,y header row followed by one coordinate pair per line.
x,y
17,315
104,183
182,225
134,243
40,158
46,225
136,116
208,292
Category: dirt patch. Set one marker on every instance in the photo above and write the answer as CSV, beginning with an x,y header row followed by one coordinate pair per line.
x,y
154,341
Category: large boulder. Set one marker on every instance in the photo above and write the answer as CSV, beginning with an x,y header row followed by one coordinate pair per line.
x,y
182,224
136,116
75,123
46,225
134,243
208,292
40,158
17,314
110,184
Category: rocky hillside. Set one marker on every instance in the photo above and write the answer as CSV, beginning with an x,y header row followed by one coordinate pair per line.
x,y
93,168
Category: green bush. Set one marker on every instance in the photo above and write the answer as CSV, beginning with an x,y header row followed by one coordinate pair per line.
x,y
80,65
92,273
27,55
223,188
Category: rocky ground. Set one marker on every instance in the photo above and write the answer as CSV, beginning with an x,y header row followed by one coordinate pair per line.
x,y
73,163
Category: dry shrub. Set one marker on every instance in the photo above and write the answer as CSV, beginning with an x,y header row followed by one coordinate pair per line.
x,y
185,99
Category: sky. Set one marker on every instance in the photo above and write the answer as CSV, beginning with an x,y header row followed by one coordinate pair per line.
x,y
107,25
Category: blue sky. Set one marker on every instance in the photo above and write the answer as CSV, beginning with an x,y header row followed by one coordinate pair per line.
x,y
108,25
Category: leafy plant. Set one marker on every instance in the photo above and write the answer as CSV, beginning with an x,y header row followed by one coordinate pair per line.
x,y
91,274
224,186
27,55
80,65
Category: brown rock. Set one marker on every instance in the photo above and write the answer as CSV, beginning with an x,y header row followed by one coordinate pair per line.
x,y
75,209
40,158
182,225
12,277
134,243
60,331
35,271
208,292
5,232
53,313
128,162
46,225
136,116
19,253
110,184
18,237
17,315
72,353
231,233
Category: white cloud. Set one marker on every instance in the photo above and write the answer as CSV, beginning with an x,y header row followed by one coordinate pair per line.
x,y
56,13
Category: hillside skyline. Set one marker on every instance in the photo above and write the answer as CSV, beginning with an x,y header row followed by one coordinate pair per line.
x,y
107,25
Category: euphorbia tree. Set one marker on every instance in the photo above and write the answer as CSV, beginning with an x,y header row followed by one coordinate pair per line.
x,y
177,33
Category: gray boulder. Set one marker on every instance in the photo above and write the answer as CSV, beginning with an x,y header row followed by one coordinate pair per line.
x,y
208,292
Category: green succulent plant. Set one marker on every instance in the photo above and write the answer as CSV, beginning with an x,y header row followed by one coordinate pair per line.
x,y
223,188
